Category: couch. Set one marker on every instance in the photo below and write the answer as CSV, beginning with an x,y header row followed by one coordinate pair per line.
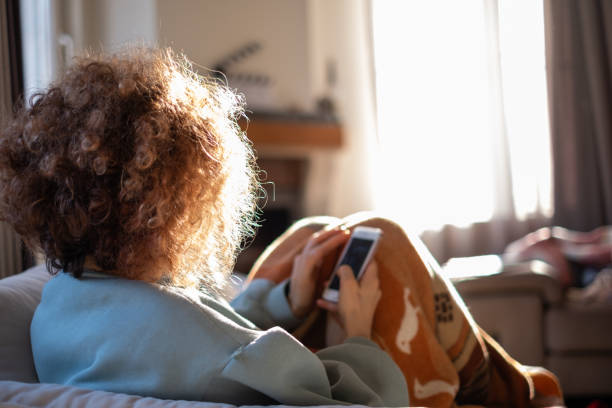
x,y
19,387
486,292
527,311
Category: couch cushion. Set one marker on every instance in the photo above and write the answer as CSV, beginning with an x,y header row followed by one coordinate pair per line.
x,y
579,328
520,331
582,374
19,296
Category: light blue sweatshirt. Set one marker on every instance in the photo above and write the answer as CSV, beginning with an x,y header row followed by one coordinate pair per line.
x,y
107,333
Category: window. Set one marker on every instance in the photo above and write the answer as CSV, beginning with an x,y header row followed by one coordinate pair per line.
x,y
462,111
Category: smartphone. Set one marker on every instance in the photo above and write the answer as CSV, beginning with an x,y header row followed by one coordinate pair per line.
x,y
357,253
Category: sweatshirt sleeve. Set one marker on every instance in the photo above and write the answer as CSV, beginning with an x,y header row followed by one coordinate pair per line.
x,y
266,305
279,366
355,372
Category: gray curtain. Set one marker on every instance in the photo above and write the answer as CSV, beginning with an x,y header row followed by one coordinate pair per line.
x,y
6,98
490,237
579,65
10,244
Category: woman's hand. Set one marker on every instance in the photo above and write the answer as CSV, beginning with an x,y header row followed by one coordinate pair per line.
x,y
306,268
357,301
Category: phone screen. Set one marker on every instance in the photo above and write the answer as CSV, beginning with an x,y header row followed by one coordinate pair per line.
x,y
355,256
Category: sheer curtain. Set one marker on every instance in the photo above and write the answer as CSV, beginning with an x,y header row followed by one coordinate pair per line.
x,y
464,151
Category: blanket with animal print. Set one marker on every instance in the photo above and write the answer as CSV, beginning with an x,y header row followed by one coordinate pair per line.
x,y
421,321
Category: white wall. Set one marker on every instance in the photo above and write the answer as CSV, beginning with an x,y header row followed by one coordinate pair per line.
x,y
113,23
209,30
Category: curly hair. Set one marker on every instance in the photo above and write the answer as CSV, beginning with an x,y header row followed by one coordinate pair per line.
x,y
135,162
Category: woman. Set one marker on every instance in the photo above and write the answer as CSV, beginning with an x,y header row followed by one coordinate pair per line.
x,y
132,177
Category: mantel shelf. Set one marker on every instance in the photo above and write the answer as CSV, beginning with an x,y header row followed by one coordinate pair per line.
x,y
264,132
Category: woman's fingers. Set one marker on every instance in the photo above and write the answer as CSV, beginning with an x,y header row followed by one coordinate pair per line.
x,y
369,280
333,241
357,302
370,284
320,237
305,268
327,305
347,279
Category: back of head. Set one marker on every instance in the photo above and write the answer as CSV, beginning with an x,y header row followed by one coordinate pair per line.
x,y
134,164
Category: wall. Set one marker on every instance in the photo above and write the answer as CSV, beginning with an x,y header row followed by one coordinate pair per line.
x,y
209,30
108,24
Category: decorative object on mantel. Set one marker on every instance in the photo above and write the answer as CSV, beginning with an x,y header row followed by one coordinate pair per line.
x,y
255,86
326,104
266,129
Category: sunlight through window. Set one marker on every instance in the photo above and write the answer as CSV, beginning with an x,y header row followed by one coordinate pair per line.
x,y
521,29
438,119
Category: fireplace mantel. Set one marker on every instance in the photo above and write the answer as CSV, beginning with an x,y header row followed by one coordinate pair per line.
x,y
284,131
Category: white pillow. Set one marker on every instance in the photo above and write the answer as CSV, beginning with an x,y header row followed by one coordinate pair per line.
x,y
19,296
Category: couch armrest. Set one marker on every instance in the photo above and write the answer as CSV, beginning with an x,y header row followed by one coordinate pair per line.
x,y
488,275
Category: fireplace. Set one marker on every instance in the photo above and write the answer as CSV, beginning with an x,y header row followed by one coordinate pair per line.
x,y
285,146
283,180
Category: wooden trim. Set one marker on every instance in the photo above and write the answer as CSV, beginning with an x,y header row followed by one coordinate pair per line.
x,y
285,133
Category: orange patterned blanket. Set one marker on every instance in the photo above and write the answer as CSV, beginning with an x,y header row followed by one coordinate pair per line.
x,y
422,322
